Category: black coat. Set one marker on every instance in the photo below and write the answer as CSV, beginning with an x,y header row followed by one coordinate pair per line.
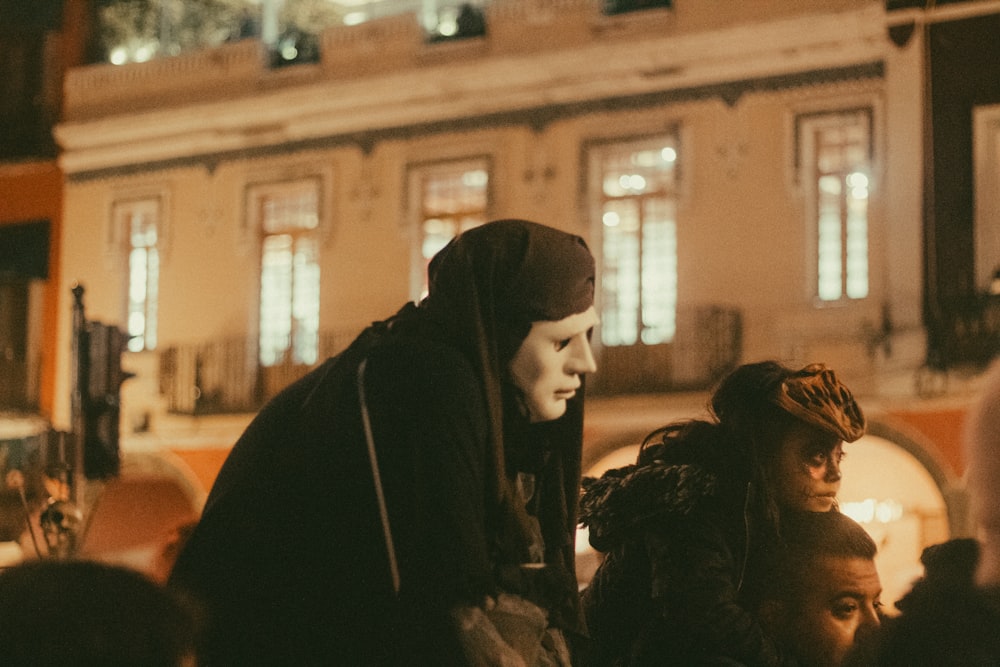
x,y
290,557
682,567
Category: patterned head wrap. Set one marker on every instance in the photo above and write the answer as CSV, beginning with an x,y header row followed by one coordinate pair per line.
x,y
815,395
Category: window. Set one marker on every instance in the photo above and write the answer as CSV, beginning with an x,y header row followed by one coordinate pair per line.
x,y
451,197
837,153
139,222
638,223
289,273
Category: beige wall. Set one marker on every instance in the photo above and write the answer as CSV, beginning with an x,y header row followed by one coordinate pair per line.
x,y
742,232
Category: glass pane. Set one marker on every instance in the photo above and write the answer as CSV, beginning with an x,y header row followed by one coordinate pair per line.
x,y
454,193
620,275
659,272
289,212
143,273
275,298
305,302
630,172
828,245
436,235
152,295
857,244
136,323
639,243
842,189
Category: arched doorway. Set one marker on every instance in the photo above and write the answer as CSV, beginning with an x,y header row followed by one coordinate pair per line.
x,y
900,502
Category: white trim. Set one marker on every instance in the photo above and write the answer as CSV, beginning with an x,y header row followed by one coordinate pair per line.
x,y
805,160
986,216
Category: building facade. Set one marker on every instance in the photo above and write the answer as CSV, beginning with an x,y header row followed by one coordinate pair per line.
x,y
774,180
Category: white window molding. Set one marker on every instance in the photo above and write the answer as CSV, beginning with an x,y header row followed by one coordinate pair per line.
x,y
136,230
986,150
835,174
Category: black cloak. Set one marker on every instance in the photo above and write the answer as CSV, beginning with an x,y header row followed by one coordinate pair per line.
x,y
290,557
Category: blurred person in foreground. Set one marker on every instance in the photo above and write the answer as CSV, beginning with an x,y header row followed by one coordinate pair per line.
x,y
951,616
78,613
412,500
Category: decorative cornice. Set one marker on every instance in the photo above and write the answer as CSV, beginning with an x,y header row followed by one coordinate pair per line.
x,y
530,89
535,117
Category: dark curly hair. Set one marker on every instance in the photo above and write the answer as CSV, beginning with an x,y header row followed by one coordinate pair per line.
x,y
739,440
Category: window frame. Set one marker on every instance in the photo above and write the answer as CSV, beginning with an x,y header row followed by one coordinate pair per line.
x,y
807,176
257,195
592,151
416,172
123,209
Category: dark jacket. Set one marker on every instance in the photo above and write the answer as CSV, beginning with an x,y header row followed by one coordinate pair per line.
x,y
680,569
290,556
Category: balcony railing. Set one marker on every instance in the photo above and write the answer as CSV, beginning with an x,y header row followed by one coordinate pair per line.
x,y
969,332
222,377
708,343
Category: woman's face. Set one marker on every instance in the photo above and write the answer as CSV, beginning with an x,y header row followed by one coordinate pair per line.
x,y
548,365
807,469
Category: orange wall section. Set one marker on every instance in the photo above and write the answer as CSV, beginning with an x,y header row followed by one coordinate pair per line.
x,y
33,191
204,463
944,428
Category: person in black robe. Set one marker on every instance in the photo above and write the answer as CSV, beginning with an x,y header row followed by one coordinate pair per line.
x,y
412,500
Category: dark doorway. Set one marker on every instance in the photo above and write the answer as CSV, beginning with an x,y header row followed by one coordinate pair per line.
x,y
24,257
14,344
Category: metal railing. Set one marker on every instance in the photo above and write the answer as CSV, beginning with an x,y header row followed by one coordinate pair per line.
x,y
707,344
224,376
968,332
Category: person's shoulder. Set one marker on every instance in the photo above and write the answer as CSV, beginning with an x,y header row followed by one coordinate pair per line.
x,y
626,502
422,373
419,357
